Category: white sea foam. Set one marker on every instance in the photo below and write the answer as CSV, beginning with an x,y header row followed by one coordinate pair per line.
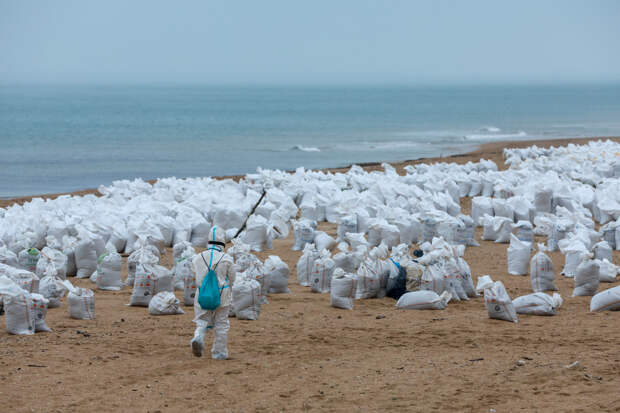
x,y
305,148
492,129
495,136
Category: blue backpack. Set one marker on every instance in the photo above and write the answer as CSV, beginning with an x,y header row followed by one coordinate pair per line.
x,y
209,291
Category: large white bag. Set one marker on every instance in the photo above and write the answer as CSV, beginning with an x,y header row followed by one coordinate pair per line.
x,y
256,271
8,257
277,271
150,280
28,259
606,300
81,302
541,271
602,251
423,300
433,279
369,278
18,308
543,200
525,231
109,267
607,272
349,261
347,223
481,206
27,280
85,258
320,279
343,287
165,303
573,251
189,288
453,281
305,264
51,256
40,311
537,304
518,254
303,231
146,255
323,241
52,288
586,277
496,229
181,271
496,299
182,249
255,234
246,299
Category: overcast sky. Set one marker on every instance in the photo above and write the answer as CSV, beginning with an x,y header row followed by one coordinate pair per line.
x,y
309,42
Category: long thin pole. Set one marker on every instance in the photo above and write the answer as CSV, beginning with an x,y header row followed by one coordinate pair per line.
x,y
251,212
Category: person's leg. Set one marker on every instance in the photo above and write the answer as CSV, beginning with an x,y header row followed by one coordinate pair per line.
x,y
219,351
203,323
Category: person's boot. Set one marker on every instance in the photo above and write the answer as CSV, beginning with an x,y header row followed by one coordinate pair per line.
x,y
198,342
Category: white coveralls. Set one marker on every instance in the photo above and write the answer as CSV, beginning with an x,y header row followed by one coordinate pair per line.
x,y
218,319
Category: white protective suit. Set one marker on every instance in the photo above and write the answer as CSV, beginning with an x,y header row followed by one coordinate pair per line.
x,y
217,319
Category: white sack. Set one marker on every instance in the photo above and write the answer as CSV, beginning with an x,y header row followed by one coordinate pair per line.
x,y
538,304
18,308
498,303
28,258
85,258
181,271
40,312
606,300
52,288
525,231
481,206
150,280
109,267
541,271
165,303
278,273
189,288
518,255
602,251
607,272
57,258
303,231
423,300
586,278
323,241
320,279
246,299
343,287
81,302
305,264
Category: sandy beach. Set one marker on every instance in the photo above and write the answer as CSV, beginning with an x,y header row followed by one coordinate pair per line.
x,y
303,355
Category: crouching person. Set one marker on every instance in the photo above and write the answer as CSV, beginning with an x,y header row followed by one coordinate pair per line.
x,y
215,275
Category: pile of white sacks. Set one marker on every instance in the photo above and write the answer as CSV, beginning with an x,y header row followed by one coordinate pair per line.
x,y
560,193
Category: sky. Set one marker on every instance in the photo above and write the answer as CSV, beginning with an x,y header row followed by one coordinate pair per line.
x,y
309,42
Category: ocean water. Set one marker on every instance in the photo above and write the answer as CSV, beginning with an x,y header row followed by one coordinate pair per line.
x,y
64,138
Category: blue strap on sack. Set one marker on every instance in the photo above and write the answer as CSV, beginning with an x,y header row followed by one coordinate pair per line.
x,y
209,291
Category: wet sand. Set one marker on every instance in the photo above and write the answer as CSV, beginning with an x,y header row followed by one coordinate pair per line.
x,y
301,354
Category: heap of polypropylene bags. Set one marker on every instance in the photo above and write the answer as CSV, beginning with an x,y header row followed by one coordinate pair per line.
x,y
561,193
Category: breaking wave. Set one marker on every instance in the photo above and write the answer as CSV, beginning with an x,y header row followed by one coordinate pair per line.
x,y
495,136
305,148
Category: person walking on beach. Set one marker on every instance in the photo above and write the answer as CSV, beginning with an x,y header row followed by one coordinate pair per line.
x,y
213,259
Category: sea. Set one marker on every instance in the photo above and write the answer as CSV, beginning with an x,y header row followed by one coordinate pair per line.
x,y
59,138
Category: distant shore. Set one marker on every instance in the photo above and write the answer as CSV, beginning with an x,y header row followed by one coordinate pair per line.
x,y
490,150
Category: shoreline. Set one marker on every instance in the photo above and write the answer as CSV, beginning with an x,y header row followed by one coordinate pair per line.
x,y
488,150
